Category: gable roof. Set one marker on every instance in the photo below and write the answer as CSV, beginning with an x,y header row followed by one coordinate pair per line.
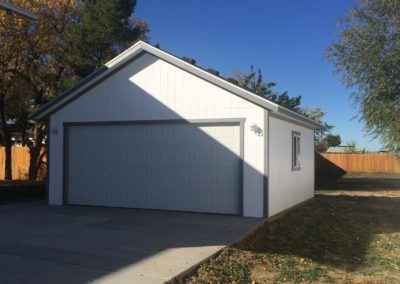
x,y
138,49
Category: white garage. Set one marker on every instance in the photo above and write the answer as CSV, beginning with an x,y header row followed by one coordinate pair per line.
x,y
152,131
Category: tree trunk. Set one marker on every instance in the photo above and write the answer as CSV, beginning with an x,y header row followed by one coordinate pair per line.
x,y
34,162
35,151
6,137
8,156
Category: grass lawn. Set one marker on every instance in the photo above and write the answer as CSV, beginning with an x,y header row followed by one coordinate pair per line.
x,y
338,237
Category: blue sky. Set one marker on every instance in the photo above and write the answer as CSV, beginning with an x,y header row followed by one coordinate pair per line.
x,y
287,39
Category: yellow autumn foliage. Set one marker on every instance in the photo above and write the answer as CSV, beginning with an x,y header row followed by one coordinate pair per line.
x,y
25,43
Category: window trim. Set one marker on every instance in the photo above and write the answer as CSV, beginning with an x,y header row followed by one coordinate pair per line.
x,y
296,151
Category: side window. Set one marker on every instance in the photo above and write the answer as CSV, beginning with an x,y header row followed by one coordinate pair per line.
x,y
296,151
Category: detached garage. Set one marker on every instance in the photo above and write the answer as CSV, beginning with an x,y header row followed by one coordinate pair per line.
x,y
150,130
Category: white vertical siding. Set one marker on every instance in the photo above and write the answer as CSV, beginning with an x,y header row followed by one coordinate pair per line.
x,y
287,187
152,89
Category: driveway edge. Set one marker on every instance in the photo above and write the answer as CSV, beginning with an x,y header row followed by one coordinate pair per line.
x,y
180,278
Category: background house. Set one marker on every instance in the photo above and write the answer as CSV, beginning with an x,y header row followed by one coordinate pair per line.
x,y
342,149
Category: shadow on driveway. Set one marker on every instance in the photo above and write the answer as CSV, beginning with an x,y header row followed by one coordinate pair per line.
x,y
73,244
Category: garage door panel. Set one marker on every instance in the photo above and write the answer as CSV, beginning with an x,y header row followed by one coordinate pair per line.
x,y
177,166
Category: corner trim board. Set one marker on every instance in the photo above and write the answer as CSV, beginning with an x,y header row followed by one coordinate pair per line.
x,y
65,164
48,160
266,163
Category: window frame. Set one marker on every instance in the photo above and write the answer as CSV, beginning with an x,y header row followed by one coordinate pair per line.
x,y
296,150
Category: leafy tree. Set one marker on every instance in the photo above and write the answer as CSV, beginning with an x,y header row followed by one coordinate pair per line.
x,y
323,137
25,53
329,140
367,55
104,28
254,82
69,41
189,60
333,140
213,71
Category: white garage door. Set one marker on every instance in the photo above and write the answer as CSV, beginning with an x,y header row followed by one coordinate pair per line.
x,y
174,166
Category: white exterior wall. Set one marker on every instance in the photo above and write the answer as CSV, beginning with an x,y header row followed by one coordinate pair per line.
x,y
152,89
286,187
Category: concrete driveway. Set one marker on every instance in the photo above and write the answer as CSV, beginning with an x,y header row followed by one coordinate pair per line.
x,y
71,244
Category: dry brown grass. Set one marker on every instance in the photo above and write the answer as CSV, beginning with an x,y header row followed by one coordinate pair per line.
x,y
339,237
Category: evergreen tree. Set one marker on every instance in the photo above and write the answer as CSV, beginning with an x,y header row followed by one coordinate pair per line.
x,y
104,29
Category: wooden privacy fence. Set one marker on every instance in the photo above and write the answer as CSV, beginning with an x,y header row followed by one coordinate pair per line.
x,y
20,163
360,163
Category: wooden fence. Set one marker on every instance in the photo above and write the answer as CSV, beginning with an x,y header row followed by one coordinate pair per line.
x,y
20,163
360,163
